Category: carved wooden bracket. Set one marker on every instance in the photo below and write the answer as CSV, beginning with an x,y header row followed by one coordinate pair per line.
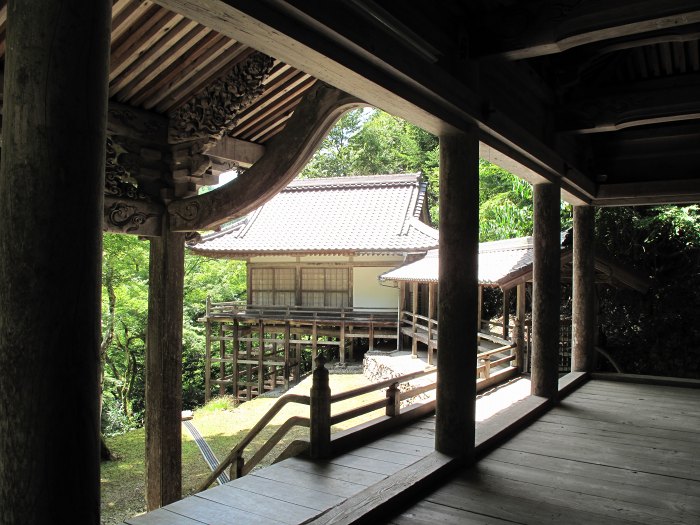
x,y
284,157
213,112
138,217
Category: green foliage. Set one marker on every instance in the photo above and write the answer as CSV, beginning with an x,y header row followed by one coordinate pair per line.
x,y
124,320
220,403
372,142
505,205
656,333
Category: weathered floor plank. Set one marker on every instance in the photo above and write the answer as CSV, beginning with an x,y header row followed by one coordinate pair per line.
x,y
254,503
609,453
333,471
613,453
310,481
426,512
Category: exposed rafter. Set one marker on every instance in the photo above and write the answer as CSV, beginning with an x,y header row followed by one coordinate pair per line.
x,y
651,102
531,29
284,157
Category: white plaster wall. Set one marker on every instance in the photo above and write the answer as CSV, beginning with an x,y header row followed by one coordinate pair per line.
x,y
368,293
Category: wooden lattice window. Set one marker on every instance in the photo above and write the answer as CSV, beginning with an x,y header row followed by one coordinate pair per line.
x,y
272,286
328,287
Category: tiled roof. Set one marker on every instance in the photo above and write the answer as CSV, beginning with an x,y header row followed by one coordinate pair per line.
x,y
508,262
369,214
499,261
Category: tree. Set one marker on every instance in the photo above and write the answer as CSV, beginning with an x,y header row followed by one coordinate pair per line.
x,y
655,333
124,321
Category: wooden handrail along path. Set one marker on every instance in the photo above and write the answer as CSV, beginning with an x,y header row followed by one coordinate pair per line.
x,y
320,420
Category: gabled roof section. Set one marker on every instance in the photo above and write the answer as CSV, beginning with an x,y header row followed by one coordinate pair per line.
x,y
509,262
353,215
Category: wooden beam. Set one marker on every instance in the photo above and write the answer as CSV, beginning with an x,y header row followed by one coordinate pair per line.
x,y
284,157
546,290
51,187
651,102
548,26
137,217
648,193
583,329
138,124
364,59
457,289
164,370
240,152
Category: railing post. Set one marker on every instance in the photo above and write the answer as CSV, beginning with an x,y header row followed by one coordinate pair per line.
x,y
236,470
320,412
393,400
487,367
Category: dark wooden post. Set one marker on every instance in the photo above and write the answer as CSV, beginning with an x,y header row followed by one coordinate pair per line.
x,y
457,300
393,400
164,370
207,361
402,300
51,199
520,326
431,320
506,313
546,290
320,412
583,330
480,303
414,321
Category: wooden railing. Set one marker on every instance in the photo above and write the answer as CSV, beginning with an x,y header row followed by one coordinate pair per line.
x,y
301,313
420,328
320,419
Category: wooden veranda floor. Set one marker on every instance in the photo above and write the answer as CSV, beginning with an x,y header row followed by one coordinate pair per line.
x,y
610,453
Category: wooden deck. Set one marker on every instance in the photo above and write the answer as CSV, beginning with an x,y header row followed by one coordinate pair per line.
x,y
610,453
297,489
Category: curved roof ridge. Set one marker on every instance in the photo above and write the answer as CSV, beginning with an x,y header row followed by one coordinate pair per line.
x,y
354,180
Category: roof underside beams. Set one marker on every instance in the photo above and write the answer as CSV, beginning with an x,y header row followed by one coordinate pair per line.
x,y
441,77
402,81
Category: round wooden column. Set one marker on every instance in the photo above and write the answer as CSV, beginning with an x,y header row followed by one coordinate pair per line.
x,y
51,200
457,299
546,293
164,370
583,329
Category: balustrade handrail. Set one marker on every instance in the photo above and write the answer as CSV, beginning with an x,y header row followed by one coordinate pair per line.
x,y
235,460
318,314
253,433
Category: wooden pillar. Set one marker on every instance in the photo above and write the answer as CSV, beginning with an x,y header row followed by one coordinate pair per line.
x,y
207,361
414,319
431,317
402,300
480,304
234,358
457,299
164,370
222,363
506,313
51,198
261,357
320,412
583,329
520,326
546,290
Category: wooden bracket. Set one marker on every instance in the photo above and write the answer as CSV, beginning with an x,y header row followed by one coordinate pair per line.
x,y
284,157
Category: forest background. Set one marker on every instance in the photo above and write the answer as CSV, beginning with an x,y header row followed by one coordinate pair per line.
x,y
654,333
